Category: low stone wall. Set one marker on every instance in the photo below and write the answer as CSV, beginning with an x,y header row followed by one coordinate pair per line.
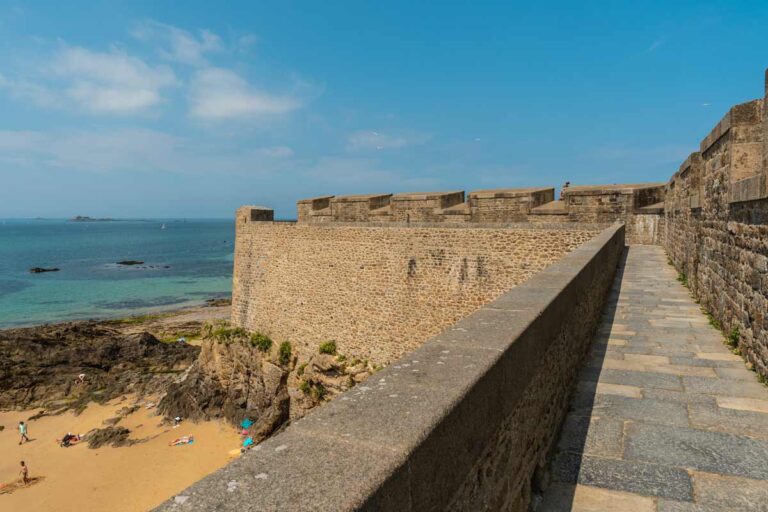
x,y
461,423
380,290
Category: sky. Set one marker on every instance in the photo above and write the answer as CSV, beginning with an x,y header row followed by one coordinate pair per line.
x,y
191,109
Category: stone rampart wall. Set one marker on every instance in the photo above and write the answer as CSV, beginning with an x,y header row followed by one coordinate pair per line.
x,y
380,290
716,212
638,206
461,423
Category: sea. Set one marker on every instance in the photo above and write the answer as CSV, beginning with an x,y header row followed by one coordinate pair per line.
x,y
185,262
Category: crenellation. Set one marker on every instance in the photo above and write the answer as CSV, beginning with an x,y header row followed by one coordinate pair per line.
x,y
536,205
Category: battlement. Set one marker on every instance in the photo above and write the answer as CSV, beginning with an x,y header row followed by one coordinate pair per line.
x,y
640,206
584,204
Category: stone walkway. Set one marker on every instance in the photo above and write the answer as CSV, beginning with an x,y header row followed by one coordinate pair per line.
x,y
665,418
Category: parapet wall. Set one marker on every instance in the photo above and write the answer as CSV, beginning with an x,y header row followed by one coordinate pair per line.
x,y
380,290
716,212
461,423
639,206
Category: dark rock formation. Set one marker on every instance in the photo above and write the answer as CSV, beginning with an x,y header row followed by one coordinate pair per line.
x,y
39,366
232,380
40,270
130,262
115,436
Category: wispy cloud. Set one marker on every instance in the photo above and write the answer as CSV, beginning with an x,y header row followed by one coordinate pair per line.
x,y
217,93
176,44
133,150
366,140
656,44
27,91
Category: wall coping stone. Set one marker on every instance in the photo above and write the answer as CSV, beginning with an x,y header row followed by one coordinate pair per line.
x,y
423,196
507,192
604,189
742,114
419,422
448,225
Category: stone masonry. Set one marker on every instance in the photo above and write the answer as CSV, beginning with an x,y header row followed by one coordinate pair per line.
x,y
380,290
639,206
716,213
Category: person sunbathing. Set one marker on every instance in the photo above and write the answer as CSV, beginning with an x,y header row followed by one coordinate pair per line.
x,y
68,440
181,440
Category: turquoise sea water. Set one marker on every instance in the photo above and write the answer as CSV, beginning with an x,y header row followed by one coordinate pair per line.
x,y
199,254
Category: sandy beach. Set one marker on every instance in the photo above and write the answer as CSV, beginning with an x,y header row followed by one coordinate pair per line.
x,y
133,478
130,478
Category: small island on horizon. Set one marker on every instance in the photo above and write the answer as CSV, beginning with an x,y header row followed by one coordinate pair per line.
x,y
85,218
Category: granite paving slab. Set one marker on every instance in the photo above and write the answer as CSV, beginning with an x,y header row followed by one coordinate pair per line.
x,y
665,418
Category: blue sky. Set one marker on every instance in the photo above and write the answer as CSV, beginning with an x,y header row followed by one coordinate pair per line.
x,y
190,109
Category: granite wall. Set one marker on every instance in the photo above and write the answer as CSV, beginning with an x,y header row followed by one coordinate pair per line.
x,y
463,422
380,290
716,213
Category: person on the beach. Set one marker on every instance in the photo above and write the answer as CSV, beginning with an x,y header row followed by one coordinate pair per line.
x,y
23,432
181,440
24,473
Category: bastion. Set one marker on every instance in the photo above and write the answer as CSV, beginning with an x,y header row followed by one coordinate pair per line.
x,y
380,289
485,304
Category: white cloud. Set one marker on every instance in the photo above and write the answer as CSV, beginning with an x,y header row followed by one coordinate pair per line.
x,y
177,44
111,82
133,150
217,93
363,140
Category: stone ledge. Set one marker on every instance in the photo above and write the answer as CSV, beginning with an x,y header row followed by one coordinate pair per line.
x,y
749,189
448,225
410,436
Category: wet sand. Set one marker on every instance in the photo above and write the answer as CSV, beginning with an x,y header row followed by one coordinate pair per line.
x,y
133,478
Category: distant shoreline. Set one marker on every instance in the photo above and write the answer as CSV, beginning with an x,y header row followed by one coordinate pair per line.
x,y
171,310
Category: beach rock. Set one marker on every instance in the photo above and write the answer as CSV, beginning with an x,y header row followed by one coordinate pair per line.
x,y
130,262
232,380
115,436
39,366
40,270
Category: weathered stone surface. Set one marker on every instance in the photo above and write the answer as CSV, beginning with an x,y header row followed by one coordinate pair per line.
x,y
713,452
584,498
639,478
379,291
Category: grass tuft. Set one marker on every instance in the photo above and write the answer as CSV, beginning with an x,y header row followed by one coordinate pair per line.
x,y
261,341
329,347
284,355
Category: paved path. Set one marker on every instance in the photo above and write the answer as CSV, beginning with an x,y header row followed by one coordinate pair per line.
x,y
665,417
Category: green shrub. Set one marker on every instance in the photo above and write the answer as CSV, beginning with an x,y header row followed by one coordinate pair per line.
x,y
261,341
329,347
733,337
683,279
319,391
300,370
305,387
285,353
